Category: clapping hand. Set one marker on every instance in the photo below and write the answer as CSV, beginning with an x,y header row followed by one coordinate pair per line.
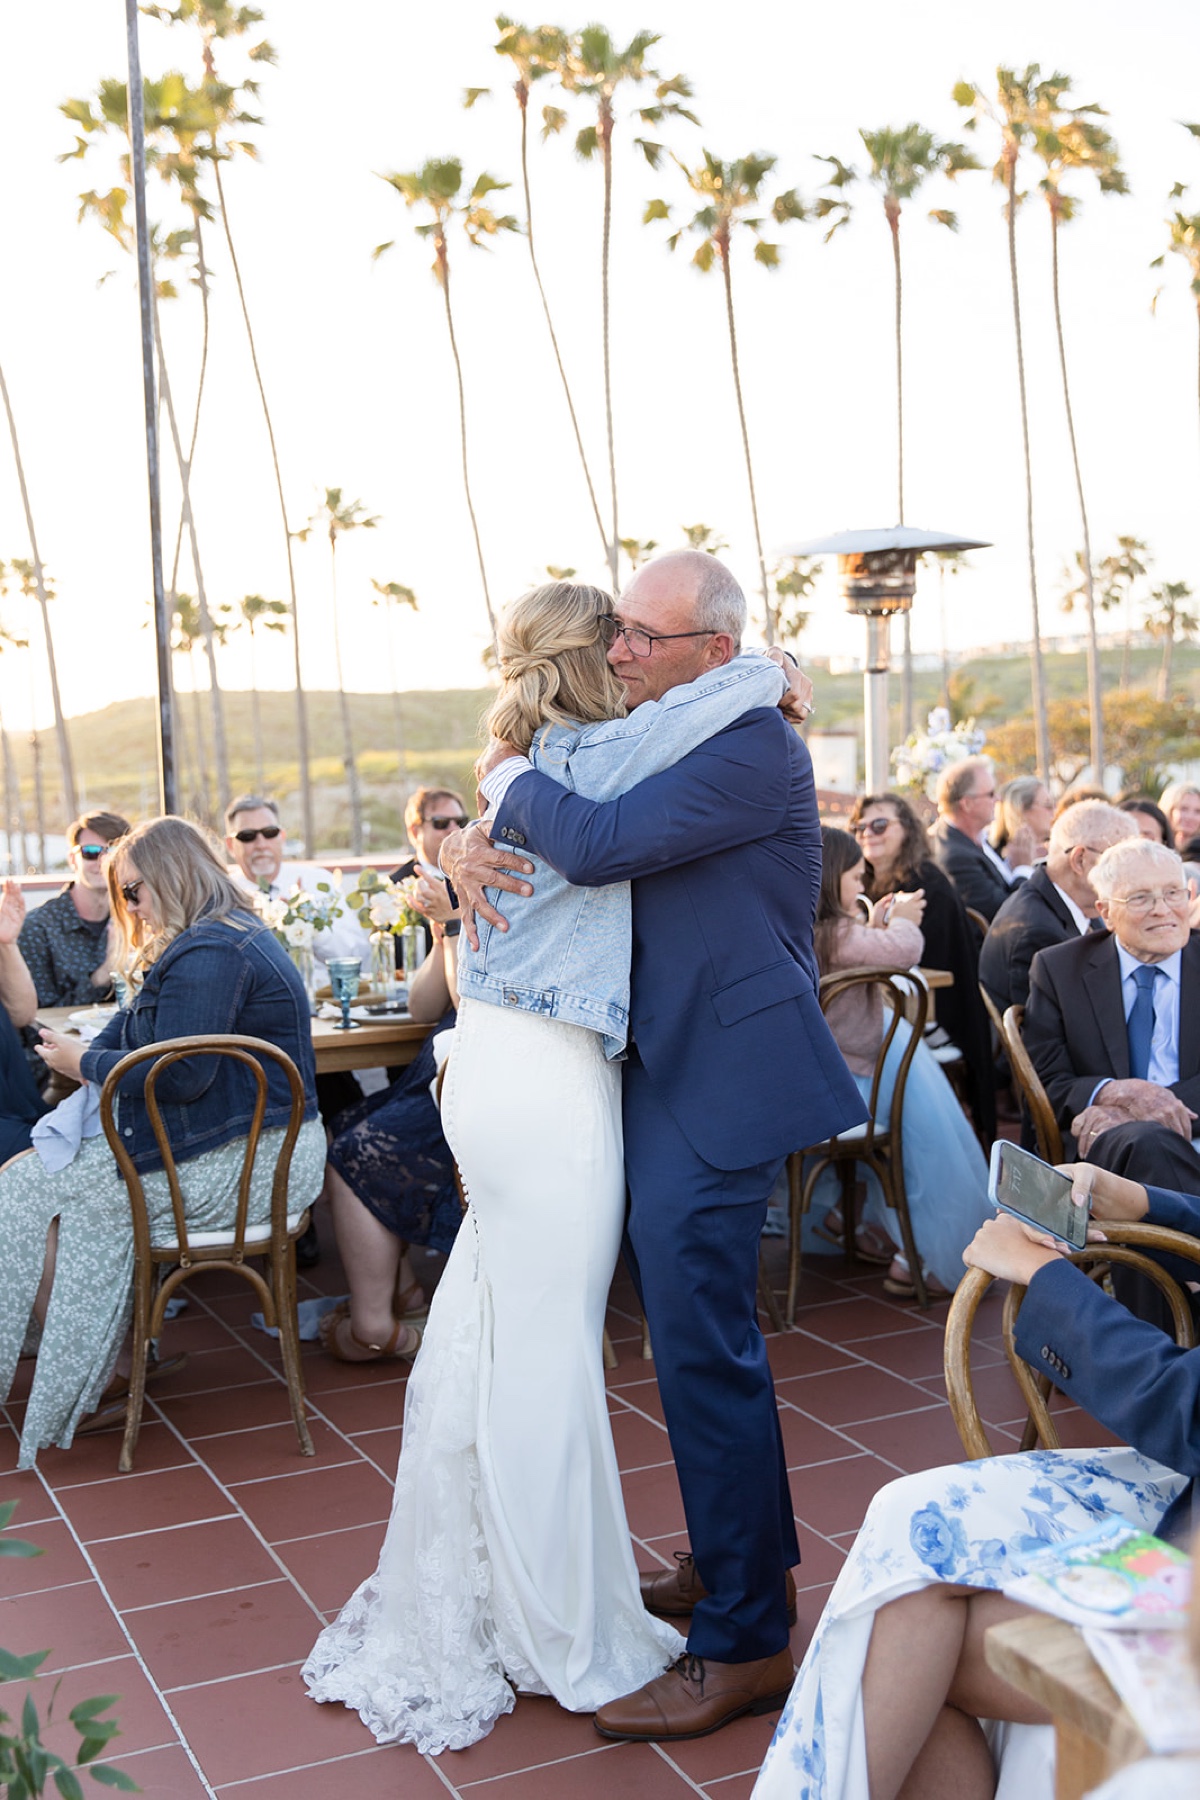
x,y
12,912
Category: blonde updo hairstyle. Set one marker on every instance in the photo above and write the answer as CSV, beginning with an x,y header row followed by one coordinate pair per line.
x,y
179,864
553,663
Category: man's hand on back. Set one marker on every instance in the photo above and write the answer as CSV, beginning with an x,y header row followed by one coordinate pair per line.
x,y
472,862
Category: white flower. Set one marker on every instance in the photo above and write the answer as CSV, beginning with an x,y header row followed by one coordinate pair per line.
x,y
298,935
385,911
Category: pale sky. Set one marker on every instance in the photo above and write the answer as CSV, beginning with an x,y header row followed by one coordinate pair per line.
x,y
357,364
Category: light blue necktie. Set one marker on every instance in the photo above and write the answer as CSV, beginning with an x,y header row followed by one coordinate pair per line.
x,y
1140,1023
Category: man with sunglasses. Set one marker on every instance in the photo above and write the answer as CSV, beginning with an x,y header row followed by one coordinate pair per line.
x,y
256,840
66,942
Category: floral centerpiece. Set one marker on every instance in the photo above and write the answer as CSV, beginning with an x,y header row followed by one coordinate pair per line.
x,y
920,759
297,917
388,910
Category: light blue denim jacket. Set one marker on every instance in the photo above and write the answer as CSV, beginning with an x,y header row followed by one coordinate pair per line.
x,y
568,953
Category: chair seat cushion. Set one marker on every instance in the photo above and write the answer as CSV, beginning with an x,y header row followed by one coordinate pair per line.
x,y
255,1234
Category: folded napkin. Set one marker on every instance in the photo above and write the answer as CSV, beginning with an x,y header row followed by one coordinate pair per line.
x,y
309,1314
58,1134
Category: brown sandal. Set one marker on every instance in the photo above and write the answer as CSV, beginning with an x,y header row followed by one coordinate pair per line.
x,y
403,1308
333,1339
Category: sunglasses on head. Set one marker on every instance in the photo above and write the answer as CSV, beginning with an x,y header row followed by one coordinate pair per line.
x,y
93,852
260,831
443,821
130,891
872,827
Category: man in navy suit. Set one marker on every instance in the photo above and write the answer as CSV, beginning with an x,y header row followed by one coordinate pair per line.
x,y
730,1067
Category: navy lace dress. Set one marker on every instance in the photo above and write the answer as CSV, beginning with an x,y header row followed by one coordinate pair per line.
x,y
390,1150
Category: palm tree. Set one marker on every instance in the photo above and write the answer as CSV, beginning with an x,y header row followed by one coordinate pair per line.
x,y
595,68
44,596
176,115
793,578
266,615
1066,139
1012,112
1168,618
1184,235
13,811
901,161
336,516
732,196
394,593
949,562
437,185
703,537
218,20
187,633
638,550
1120,571
534,54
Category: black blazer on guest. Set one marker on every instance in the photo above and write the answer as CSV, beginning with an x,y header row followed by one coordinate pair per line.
x,y
979,882
1034,917
1075,1022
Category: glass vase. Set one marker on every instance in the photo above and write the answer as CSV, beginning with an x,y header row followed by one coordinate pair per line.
x,y
412,948
305,964
383,965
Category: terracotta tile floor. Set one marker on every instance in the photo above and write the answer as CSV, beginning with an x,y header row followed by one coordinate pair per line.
x,y
193,1588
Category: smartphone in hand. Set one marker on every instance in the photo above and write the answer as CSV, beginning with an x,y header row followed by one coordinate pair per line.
x,y
1027,1187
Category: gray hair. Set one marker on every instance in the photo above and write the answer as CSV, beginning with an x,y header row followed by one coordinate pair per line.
x,y
1120,861
248,803
1091,822
719,603
957,781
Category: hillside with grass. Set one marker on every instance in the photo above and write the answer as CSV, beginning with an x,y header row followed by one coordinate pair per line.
x,y
116,759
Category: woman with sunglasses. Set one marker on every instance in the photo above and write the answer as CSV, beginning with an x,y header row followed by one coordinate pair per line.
x,y
197,962
69,943
507,1562
945,1175
893,841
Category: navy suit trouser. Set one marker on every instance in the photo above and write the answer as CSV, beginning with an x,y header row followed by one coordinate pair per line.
x,y
692,1248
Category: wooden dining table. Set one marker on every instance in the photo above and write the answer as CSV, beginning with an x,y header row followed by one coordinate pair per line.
x,y
384,1042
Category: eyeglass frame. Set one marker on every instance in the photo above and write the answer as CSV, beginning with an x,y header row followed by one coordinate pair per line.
x,y
876,827
92,852
444,821
131,891
612,629
248,833
1143,900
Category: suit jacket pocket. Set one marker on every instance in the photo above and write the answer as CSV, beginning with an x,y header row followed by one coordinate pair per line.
x,y
783,980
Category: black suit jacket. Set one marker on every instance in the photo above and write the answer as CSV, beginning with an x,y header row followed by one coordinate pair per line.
x,y
1033,918
1075,1022
979,882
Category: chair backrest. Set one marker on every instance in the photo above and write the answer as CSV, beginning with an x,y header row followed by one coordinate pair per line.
x,y
982,925
1126,1244
905,997
1045,1125
249,1051
993,1013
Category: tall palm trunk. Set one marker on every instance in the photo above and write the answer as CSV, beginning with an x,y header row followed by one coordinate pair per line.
x,y
443,272
39,798
605,134
10,804
768,613
348,760
397,711
306,806
70,803
1040,728
892,212
220,748
523,101
1095,693
256,718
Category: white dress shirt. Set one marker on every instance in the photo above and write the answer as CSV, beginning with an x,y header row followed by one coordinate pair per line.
x,y
1080,919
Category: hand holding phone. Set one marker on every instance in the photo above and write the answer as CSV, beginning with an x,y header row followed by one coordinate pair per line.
x,y
1024,1185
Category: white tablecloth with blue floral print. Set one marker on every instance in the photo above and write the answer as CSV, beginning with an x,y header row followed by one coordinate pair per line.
x,y
971,1523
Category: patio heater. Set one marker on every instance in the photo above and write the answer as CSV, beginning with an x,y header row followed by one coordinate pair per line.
x,y
878,575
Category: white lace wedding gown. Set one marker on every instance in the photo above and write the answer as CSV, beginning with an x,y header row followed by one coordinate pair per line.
x,y
507,1561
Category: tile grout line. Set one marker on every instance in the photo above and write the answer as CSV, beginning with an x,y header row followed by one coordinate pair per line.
x,y
129,1639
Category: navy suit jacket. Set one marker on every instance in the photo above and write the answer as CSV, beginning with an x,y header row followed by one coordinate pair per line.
x,y
1075,1028
1127,1373
979,882
1033,918
724,854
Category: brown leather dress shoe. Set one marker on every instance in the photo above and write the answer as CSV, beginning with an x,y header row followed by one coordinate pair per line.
x,y
695,1696
674,1593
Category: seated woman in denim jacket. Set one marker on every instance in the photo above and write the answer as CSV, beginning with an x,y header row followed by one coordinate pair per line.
x,y
200,964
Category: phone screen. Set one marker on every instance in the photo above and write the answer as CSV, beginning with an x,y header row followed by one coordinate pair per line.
x,y
1025,1185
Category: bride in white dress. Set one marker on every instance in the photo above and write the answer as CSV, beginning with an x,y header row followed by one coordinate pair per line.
x,y
507,1561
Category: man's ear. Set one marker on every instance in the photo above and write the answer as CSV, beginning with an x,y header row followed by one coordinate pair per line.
x,y
720,650
1102,909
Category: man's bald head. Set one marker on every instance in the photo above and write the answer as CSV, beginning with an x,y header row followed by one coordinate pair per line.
x,y
702,583
692,614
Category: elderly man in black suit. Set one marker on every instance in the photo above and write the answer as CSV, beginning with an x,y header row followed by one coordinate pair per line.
x,y
966,800
1113,1022
1055,905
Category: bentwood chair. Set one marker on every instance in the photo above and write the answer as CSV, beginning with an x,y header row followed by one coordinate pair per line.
x,y
1045,1125
1125,1244
164,1263
879,1142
